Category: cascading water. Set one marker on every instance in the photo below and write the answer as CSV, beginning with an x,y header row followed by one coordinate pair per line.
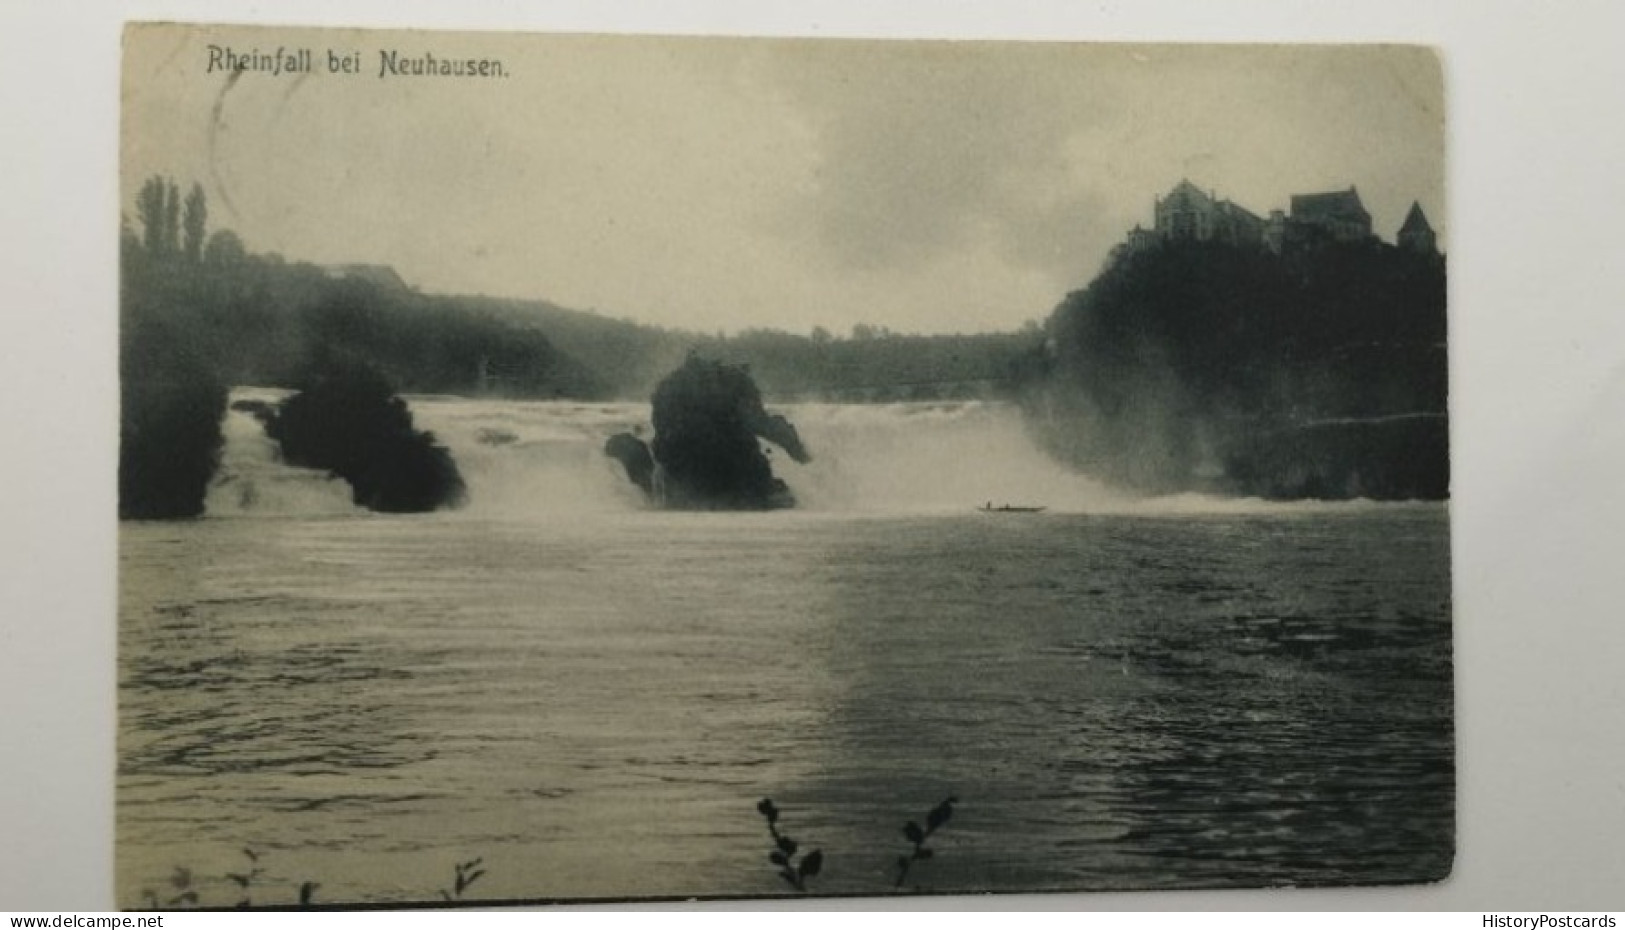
x,y
927,457
531,457
252,479
547,457
534,457
524,459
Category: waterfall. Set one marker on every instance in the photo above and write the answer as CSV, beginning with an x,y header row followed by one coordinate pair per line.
x,y
928,457
545,460
252,479
547,457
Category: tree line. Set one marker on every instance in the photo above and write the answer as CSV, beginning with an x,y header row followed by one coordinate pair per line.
x,y
872,364
199,312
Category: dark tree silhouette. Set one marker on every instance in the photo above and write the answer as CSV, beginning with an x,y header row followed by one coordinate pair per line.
x,y
169,425
170,240
149,206
224,250
195,221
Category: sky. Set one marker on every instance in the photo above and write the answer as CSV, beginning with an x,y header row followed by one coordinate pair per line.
x,y
722,184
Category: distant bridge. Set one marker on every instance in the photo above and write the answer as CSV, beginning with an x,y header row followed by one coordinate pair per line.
x,y
897,391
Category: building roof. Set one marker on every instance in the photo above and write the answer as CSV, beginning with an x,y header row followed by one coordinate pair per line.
x,y
1187,189
382,275
1234,207
1332,205
1415,221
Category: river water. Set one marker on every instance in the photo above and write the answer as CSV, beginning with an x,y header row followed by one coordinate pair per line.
x,y
591,697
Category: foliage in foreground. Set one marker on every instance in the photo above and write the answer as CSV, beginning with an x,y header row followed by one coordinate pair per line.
x,y
917,835
796,873
184,893
785,850
790,861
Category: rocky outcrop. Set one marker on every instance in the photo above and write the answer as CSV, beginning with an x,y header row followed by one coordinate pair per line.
x,y
634,455
169,427
708,417
1320,373
348,420
1382,458
779,431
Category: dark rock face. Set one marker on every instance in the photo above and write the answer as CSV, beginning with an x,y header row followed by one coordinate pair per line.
x,y
1198,366
634,455
169,428
707,417
780,432
1397,458
348,420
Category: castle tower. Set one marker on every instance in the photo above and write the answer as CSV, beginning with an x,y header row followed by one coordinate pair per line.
x,y
1415,235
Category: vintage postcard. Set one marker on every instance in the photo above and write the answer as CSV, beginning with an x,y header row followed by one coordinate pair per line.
x,y
567,468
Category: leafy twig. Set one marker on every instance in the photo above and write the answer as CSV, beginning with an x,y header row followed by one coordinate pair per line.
x,y
245,880
917,835
467,874
785,849
181,881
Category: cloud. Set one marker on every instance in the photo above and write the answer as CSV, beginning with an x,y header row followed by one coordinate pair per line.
x,y
1051,152
919,149
719,183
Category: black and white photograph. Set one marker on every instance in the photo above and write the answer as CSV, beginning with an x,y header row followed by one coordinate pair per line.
x,y
570,468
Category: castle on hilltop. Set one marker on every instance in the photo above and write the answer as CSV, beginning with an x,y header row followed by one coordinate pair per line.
x,y
1188,213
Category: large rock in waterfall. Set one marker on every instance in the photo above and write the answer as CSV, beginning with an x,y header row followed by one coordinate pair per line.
x,y
347,419
707,418
169,424
1205,366
634,455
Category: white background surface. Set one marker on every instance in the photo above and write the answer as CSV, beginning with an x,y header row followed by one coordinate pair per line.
x,y
1536,97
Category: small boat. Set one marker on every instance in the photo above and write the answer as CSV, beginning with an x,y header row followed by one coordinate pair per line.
x,y
1007,508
